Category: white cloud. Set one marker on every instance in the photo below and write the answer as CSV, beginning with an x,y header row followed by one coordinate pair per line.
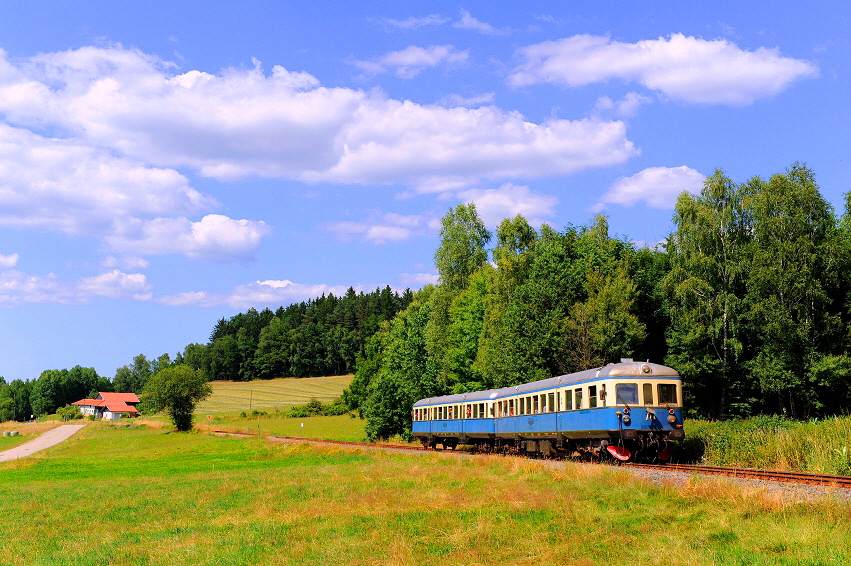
x,y
419,279
467,21
682,67
8,261
243,122
659,187
70,186
625,108
475,100
381,228
260,293
493,205
410,61
214,237
117,285
17,287
413,22
129,262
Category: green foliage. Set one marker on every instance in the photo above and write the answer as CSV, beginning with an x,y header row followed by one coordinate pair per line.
x,y
177,390
771,442
57,388
316,408
69,412
463,237
323,336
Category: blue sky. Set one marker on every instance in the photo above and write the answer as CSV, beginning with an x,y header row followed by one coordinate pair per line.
x,y
165,164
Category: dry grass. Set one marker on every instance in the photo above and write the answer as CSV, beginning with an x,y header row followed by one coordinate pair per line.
x,y
199,499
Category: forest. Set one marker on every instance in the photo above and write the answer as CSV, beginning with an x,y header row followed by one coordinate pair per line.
x,y
749,298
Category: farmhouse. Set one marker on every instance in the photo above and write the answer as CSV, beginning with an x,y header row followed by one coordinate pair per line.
x,y
110,406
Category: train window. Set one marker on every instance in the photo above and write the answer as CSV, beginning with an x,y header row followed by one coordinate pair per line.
x,y
648,393
592,396
578,397
535,408
667,393
511,407
626,393
551,401
603,395
568,405
529,405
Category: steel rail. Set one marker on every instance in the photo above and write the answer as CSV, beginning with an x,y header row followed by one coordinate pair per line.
x,y
750,473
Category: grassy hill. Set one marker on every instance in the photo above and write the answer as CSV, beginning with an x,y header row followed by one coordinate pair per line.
x,y
271,395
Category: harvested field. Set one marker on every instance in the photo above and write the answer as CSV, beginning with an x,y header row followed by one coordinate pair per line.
x,y
271,395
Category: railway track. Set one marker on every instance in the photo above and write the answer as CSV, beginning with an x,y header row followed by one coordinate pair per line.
x,y
743,473
748,473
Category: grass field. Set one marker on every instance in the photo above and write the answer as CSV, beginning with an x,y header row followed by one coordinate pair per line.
x,y
115,495
270,395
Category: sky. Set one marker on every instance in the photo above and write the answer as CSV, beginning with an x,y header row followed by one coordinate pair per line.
x,y
167,164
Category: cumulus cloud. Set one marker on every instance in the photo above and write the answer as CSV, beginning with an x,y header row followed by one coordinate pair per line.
x,y
71,186
67,185
659,187
410,61
508,201
467,21
259,293
117,285
419,279
682,67
8,261
17,287
381,228
625,108
470,101
214,237
285,124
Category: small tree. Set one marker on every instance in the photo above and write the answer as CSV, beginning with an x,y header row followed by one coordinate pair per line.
x,y
177,390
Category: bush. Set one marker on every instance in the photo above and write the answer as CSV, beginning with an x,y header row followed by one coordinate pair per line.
x,y
316,408
69,412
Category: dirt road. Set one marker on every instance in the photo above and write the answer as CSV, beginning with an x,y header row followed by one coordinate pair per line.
x,y
46,440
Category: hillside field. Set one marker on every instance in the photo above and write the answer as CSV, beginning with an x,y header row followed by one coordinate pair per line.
x,y
124,494
271,395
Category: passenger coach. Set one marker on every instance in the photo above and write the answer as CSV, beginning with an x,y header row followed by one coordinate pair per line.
x,y
630,410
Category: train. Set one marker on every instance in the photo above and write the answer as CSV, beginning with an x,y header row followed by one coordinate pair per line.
x,y
629,411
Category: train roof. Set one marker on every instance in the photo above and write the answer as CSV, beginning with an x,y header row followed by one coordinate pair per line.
x,y
626,368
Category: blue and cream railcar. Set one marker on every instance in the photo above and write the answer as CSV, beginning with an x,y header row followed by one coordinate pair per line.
x,y
630,410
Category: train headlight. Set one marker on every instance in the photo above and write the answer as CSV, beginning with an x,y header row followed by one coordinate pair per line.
x,y
671,417
627,419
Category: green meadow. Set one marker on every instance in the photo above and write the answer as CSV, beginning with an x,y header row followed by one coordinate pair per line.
x,y
131,494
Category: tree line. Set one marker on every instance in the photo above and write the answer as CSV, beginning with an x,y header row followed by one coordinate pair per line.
x,y
323,336
749,298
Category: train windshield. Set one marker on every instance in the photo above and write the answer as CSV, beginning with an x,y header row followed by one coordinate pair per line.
x,y
667,393
627,393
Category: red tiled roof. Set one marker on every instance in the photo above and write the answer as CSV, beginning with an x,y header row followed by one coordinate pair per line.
x,y
118,397
121,408
90,402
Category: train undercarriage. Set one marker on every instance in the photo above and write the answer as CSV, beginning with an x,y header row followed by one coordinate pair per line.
x,y
651,446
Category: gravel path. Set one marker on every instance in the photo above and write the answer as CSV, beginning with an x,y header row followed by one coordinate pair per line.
x,y
46,440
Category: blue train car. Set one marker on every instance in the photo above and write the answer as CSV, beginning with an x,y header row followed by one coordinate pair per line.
x,y
629,410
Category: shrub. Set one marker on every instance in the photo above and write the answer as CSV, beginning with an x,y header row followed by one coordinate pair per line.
x,y
69,412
